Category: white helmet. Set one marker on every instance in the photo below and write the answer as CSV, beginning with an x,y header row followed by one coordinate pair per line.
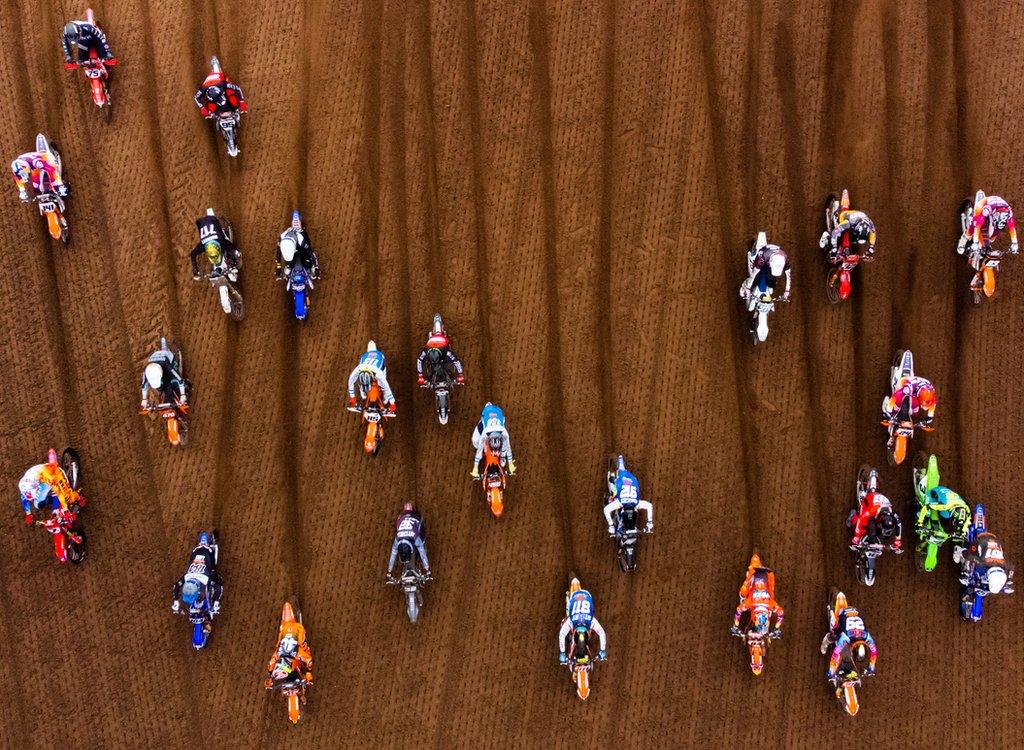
x,y
289,646
288,248
996,580
154,375
777,263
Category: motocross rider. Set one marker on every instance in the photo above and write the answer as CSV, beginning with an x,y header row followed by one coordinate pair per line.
x,y
30,168
758,592
372,367
624,492
492,425
847,633
292,659
982,563
163,375
943,504
43,481
294,245
82,37
991,216
765,264
220,250
873,505
922,395
218,95
579,616
860,228
201,580
438,356
409,534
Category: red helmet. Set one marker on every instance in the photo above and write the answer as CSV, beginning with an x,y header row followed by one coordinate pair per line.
x,y
409,508
927,397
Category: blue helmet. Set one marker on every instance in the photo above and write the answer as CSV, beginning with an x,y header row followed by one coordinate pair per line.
x,y
204,539
190,592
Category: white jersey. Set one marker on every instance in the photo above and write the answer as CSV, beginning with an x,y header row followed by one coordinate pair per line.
x,y
566,628
379,374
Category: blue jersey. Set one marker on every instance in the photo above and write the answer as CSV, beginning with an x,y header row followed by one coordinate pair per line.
x,y
374,359
581,609
627,489
492,412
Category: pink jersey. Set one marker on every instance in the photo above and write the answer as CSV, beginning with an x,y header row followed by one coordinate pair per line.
x,y
997,213
34,165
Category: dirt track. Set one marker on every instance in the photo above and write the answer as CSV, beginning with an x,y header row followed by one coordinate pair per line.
x,y
573,186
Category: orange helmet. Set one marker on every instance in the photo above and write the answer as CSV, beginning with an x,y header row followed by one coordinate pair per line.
x,y
927,397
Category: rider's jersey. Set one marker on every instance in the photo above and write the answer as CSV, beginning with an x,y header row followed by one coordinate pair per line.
x,y
580,609
991,210
90,37
848,219
375,363
32,166
627,489
409,527
943,507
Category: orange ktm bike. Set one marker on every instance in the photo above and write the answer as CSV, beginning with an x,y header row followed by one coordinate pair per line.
x,y
984,258
374,413
286,674
173,415
757,637
494,480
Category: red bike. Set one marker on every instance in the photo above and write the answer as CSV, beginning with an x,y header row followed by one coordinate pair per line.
x,y
97,74
68,536
839,283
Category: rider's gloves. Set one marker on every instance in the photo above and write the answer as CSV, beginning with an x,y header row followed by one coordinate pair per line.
x,y
823,241
278,271
62,190
351,402
23,195
611,530
602,655
961,245
243,107
785,296
420,380
649,527
268,683
562,658
70,65
869,671
1013,248
735,630
958,554
511,467
215,608
175,606
391,408
460,378
897,546
777,633
475,473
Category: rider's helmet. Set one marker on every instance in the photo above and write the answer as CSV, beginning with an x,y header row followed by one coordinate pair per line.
x,y
365,379
71,32
777,263
289,646
860,232
1001,217
434,355
860,651
190,592
213,252
215,92
927,397
51,456
959,517
886,523
288,248
154,375
996,580
494,443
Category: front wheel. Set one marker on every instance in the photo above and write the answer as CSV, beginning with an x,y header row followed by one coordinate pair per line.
x,y
832,286
412,606
442,406
72,467
75,549
866,570
897,450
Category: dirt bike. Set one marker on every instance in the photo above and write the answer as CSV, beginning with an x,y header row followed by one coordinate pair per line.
x,y
442,395
760,303
293,685
299,283
756,637
931,536
411,582
374,414
901,425
68,535
228,123
173,414
984,258
201,615
845,685
47,198
626,535
494,481
871,546
581,663
839,283
976,588
225,279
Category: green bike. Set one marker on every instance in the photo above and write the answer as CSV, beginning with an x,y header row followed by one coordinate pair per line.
x,y
935,504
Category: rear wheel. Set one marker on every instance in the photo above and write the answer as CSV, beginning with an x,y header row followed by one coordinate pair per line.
x,y
72,466
237,306
75,549
866,570
832,285
412,607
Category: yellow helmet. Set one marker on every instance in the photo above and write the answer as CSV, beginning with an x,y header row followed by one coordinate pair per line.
x,y
213,252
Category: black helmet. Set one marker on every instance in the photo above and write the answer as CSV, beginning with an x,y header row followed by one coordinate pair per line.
x,y
886,523
214,92
861,232
71,32
365,379
405,553
433,355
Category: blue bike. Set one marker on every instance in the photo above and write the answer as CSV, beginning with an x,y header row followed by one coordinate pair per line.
x,y
983,569
298,284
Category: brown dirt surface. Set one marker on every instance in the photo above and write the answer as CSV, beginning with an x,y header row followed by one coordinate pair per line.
x,y
574,186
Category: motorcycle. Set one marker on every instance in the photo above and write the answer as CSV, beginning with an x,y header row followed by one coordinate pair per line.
x,y
845,684
411,582
51,205
757,637
760,304
225,279
985,258
494,481
839,283
96,73
900,426
201,615
979,586
374,414
442,395
627,534
289,680
173,414
63,524
581,662
871,546
931,536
